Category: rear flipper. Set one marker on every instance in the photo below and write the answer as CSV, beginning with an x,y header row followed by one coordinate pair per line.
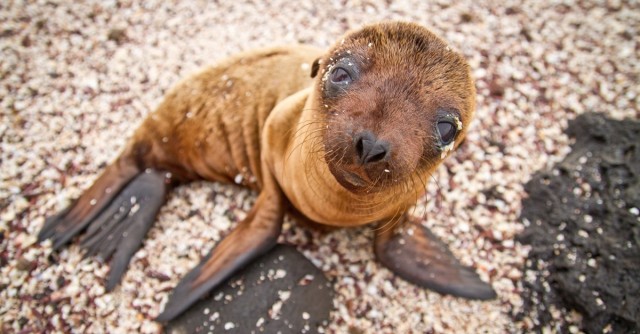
x,y
72,220
118,231
117,226
412,252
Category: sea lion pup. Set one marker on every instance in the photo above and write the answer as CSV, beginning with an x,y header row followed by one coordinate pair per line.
x,y
352,144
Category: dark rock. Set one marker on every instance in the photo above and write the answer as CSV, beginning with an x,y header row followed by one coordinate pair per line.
x,y
7,33
117,35
511,10
25,265
496,88
466,17
585,230
26,41
526,34
257,292
41,24
158,275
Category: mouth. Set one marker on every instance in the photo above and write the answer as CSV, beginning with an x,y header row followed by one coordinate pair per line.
x,y
350,180
354,179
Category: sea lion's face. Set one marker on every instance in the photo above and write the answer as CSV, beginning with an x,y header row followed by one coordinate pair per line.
x,y
395,100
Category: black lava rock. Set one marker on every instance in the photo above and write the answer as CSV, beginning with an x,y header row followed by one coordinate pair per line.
x,y
282,292
583,226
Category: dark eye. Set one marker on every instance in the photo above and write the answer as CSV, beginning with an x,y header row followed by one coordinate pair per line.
x,y
340,76
447,131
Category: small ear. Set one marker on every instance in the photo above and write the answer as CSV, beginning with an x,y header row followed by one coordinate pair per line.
x,y
315,67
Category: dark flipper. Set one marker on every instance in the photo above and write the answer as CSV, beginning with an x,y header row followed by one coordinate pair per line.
x,y
118,210
118,230
253,237
412,252
72,220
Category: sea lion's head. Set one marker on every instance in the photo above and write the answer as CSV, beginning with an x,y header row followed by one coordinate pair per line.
x,y
395,99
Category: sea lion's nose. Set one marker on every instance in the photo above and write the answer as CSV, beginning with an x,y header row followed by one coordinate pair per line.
x,y
369,148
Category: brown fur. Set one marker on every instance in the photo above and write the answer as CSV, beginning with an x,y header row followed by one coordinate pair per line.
x,y
261,120
408,74
210,126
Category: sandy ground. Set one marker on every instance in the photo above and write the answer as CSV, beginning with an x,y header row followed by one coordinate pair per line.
x,y
77,79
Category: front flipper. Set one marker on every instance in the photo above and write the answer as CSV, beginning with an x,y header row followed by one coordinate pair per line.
x,y
412,252
255,235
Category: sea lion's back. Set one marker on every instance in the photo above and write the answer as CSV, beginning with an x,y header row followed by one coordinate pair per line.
x,y
209,125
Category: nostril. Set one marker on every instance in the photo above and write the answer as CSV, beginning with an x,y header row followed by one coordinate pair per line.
x,y
377,153
369,149
360,147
